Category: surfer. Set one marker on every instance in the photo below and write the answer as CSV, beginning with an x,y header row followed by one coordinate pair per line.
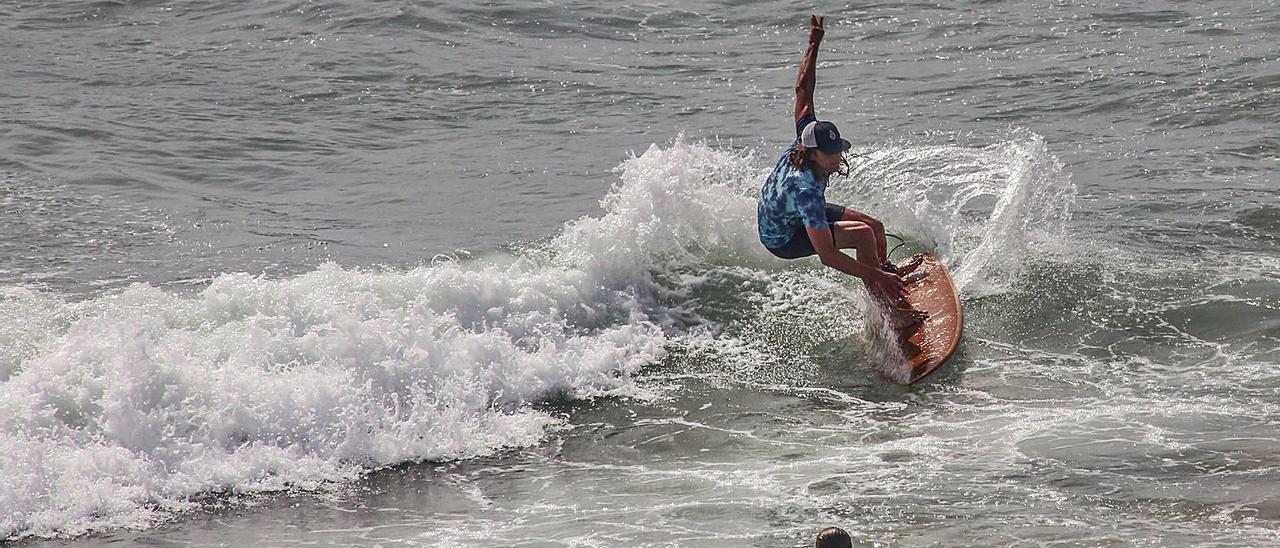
x,y
794,218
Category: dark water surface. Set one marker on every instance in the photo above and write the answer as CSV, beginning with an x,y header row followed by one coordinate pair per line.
x,y
402,274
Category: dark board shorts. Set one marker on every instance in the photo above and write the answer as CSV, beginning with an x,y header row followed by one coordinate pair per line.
x,y
799,244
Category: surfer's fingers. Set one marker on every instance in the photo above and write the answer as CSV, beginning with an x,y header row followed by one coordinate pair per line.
x,y
907,324
913,313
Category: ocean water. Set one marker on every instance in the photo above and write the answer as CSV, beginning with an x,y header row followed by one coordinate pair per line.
x,y
451,274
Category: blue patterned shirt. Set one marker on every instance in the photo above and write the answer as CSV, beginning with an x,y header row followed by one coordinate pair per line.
x,y
792,198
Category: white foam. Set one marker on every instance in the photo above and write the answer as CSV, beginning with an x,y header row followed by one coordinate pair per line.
x,y
147,397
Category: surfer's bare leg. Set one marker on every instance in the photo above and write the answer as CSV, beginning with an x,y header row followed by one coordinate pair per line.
x,y
860,237
877,230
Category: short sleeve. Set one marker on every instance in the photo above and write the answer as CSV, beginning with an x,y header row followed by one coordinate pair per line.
x,y
812,206
804,121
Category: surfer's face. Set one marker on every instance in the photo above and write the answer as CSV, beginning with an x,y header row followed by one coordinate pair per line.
x,y
828,163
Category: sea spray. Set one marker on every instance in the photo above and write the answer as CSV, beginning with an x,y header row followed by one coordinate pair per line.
x,y
683,204
885,354
977,209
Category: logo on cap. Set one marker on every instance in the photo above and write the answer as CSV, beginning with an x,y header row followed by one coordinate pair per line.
x,y
832,135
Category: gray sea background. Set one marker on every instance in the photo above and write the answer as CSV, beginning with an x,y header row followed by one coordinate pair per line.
x,y
365,273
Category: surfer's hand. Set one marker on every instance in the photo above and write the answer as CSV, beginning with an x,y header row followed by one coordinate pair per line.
x,y
888,285
815,29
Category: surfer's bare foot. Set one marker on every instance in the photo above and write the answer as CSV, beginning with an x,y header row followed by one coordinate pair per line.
x,y
911,266
914,277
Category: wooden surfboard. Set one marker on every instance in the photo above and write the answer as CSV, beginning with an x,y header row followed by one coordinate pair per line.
x,y
938,335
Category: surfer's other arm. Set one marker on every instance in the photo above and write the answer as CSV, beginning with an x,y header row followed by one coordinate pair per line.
x,y
807,80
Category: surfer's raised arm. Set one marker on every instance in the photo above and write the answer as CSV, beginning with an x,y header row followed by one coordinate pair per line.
x,y
807,79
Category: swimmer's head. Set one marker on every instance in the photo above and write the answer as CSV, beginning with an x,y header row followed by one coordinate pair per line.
x,y
833,537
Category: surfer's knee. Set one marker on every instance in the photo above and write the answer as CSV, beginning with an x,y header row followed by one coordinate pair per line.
x,y
854,215
853,227
877,227
853,233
